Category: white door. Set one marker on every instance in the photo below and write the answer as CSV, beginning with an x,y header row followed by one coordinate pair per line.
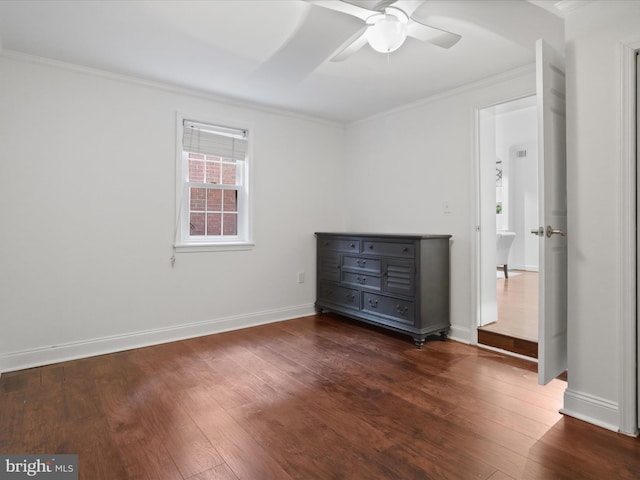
x,y
552,199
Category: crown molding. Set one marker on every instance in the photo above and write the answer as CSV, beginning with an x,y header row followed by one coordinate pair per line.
x,y
166,87
568,6
478,84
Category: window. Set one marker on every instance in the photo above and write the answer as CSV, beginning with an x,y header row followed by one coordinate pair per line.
x,y
213,168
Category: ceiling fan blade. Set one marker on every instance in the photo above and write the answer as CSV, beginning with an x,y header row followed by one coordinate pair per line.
x,y
430,34
308,47
352,46
344,7
376,5
407,6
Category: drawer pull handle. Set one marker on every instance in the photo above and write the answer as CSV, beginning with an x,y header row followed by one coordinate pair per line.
x,y
405,249
402,310
353,245
361,263
350,296
362,280
370,247
373,303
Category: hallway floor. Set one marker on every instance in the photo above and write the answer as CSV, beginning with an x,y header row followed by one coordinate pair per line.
x,y
517,314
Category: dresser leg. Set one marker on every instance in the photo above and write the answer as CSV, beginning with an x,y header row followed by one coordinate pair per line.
x,y
419,341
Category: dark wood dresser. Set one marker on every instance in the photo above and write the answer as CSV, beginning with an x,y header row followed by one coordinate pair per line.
x,y
400,282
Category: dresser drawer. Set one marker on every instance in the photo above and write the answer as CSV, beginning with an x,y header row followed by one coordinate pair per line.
x,y
402,311
340,296
339,244
390,249
371,265
361,280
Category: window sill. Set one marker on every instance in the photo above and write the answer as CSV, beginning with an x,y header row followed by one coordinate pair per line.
x,y
213,247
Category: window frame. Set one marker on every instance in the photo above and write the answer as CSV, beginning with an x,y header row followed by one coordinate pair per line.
x,y
183,242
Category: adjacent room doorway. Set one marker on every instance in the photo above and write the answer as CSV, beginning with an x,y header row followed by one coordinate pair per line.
x,y
509,210
551,228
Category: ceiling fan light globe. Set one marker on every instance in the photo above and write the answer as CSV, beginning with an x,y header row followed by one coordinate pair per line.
x,y
387,34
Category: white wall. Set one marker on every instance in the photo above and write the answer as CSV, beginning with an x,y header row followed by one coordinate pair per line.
x,y
523,207
595,223
87,207
404,165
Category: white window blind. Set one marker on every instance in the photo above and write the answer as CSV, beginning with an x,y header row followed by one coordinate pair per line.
x,y
213,140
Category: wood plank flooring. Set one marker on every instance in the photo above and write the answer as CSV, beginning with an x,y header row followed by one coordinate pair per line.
x,y
516,329
319,397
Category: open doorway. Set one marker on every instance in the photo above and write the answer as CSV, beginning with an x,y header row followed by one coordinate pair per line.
x,y
509,210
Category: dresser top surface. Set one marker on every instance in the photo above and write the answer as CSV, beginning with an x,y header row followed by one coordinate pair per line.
x,y
408,236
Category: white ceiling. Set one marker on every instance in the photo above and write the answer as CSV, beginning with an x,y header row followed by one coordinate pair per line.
x,y
275,52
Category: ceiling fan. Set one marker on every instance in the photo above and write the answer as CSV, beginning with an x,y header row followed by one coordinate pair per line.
x,y
387,25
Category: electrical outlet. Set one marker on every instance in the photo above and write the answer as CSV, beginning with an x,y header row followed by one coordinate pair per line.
x,y
300,277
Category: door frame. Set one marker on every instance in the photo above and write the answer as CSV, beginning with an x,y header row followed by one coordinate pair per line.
x,y
628,408
475,209
484,267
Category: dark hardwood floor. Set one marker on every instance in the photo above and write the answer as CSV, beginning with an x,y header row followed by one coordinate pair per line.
x,y
313,398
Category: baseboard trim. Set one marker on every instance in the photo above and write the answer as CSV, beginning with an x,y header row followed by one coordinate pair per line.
x,y
592,409
526,268
460,334
99,346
